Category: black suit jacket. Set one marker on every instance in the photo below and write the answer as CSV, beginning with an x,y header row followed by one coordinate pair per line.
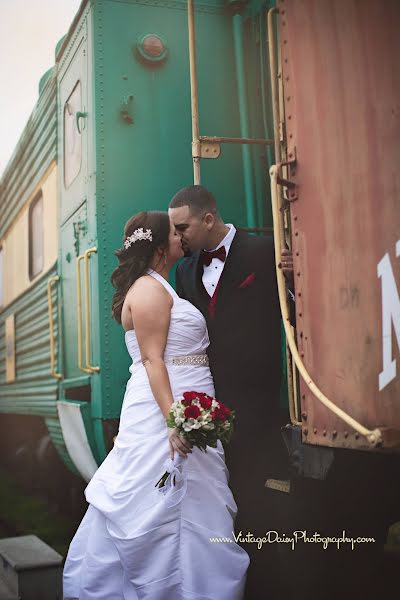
x,y
245,338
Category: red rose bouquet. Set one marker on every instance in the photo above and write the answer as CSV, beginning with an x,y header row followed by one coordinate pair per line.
x,y
202,420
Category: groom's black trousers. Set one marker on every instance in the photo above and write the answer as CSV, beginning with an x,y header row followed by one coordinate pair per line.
x,y
257,452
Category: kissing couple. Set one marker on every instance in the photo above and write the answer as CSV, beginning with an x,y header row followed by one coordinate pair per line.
x,y
218,333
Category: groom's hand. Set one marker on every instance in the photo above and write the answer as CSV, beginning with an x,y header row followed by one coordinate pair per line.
x,y
178,443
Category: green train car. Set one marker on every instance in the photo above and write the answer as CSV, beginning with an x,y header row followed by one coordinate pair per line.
x,y
110,135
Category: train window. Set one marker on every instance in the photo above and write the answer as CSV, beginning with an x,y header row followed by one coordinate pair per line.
x,y
72,136
1,276
36,249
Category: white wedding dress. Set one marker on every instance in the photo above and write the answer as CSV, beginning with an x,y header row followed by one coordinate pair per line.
x,y
132,544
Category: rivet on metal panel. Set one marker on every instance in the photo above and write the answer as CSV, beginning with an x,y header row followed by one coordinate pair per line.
x,y
290,135
295,217
285,41
334,433
315,430
346,434
283,23
297,253
298,273
296,233
324,432
302,354
299,294
286,60
356,435
290,116
305,431
300,314
304,415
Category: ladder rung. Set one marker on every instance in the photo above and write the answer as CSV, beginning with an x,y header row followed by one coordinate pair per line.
x,y
231,140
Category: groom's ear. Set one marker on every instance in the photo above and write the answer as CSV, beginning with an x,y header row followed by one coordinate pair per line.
x,y
209,220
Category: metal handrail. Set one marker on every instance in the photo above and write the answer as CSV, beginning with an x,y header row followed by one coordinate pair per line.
x,y
53,371
374,436
79,312
194,94
197,139
233,140
87,310
274,75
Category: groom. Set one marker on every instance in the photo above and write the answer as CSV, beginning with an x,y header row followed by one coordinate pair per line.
x,y
230,277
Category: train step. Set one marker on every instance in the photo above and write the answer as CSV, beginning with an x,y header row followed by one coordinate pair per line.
x,y
29,569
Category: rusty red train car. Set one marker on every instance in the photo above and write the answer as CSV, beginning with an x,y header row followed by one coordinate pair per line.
x,y
338,182
335,189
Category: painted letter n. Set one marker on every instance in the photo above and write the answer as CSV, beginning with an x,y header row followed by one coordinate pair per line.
x,y
390,314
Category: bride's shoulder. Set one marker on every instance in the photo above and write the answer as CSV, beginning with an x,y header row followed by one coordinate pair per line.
x,y
146,287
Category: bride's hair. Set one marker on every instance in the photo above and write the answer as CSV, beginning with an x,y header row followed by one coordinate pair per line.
x,y
136,258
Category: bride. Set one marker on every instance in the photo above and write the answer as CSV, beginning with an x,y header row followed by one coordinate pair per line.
x,y
133,542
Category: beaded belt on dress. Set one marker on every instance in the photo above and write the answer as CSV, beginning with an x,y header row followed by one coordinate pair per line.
x,y
191,359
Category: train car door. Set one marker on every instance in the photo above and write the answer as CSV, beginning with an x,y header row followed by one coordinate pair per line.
x,y
78,252
77,228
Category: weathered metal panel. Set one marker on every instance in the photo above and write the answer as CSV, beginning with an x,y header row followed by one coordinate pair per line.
x,y
34,153
34,392
342,103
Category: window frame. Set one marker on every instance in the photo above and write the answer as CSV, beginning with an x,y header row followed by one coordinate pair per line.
x,y
78,133
2,277
38,198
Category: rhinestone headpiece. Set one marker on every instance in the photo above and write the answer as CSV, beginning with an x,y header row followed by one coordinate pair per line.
x,y
138,234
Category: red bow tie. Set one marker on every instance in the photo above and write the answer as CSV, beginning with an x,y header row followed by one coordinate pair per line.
x,y
208,256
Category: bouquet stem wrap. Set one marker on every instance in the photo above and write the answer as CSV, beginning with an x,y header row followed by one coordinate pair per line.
x,y
174,481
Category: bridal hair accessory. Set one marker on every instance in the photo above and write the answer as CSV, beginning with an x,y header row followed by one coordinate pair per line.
x,y
138,234
201,420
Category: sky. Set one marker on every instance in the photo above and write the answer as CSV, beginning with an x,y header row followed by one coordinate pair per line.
x,y
29,32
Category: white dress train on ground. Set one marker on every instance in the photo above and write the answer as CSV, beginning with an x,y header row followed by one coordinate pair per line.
x,y
131,545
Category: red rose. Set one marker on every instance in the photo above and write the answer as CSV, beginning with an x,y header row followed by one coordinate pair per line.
x,y
217,414
227,411
192,412
221,413
188,397
205,401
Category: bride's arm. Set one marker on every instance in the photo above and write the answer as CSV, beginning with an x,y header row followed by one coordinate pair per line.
x,y
150,305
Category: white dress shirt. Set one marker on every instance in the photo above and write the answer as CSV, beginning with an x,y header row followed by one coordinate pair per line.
x,y
213,271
